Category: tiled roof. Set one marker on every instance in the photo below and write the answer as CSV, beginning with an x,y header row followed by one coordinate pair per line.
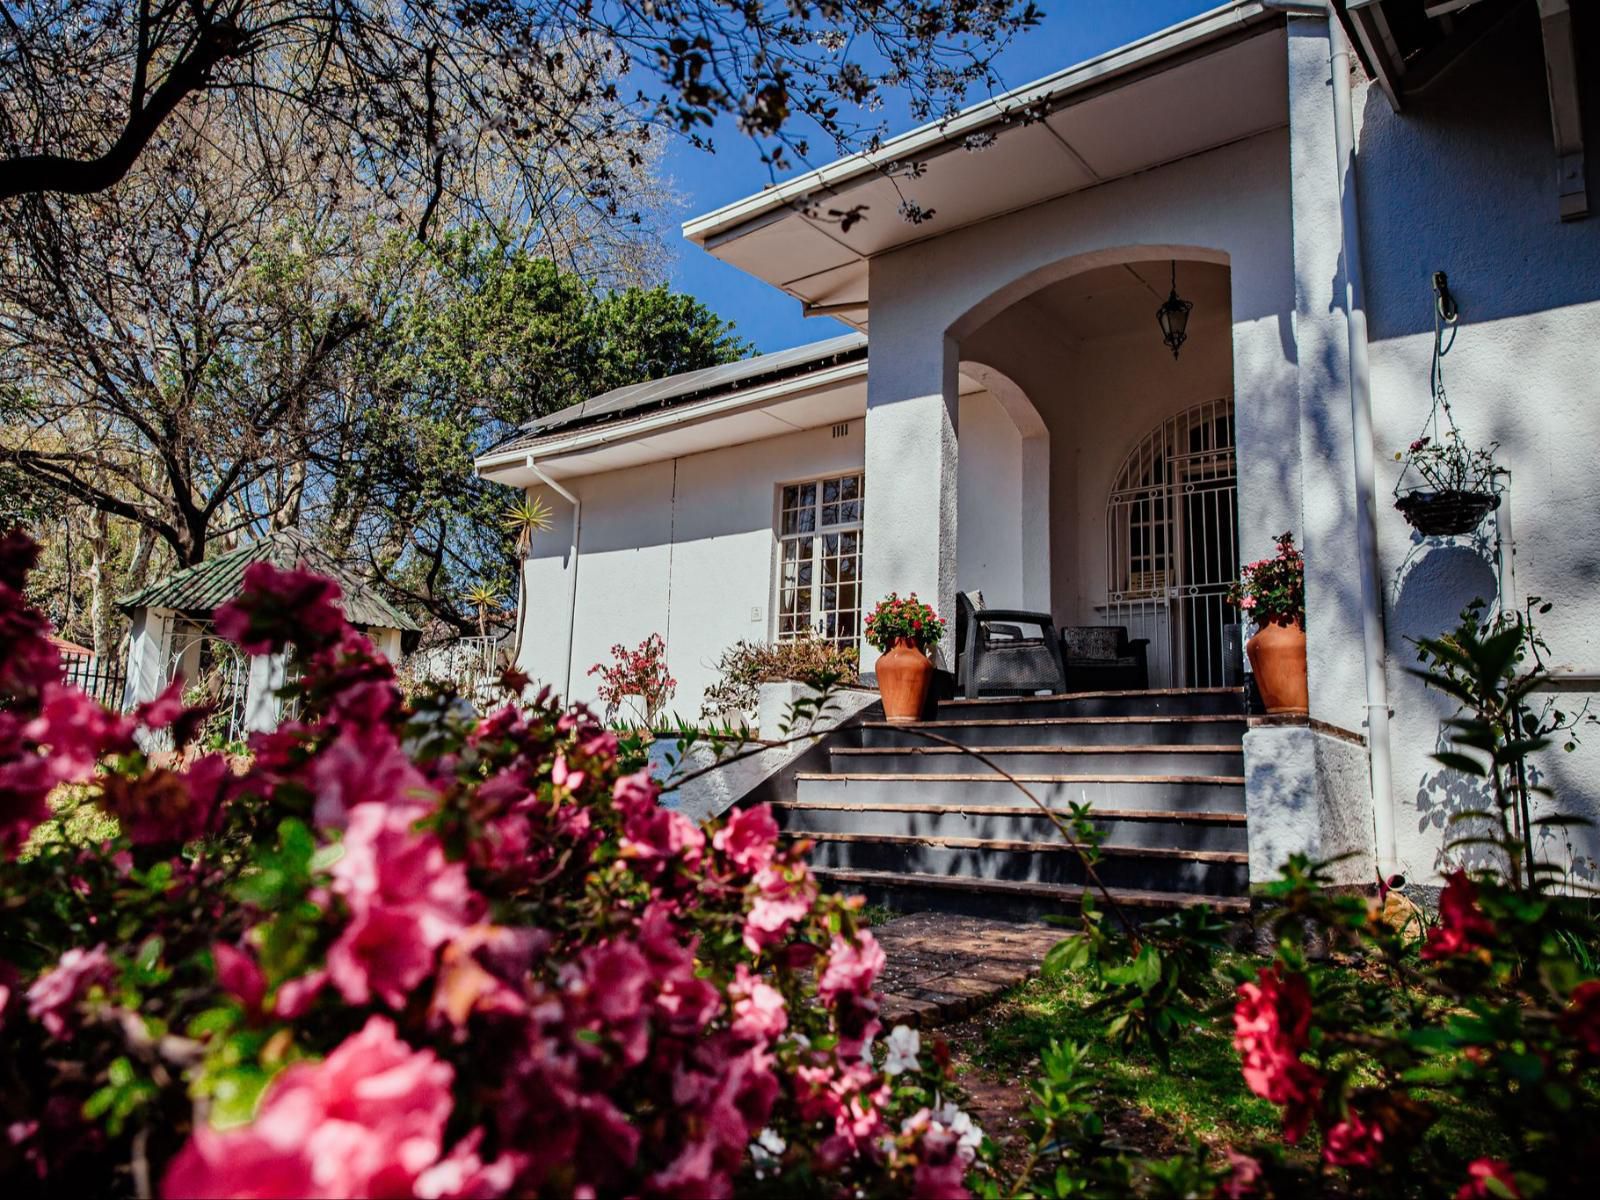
x,y
689,385
210,584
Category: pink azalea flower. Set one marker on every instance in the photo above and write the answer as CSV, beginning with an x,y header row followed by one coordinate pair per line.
x,y
780,902
54,996
759,1012
406,900
750,838
852,966
366,1121
296,996
1354,1142
1462,927
275,607
1480,1172
362,765
238,974
1272,1023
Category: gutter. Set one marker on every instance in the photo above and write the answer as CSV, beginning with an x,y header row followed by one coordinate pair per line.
x,y
572,582
1355,312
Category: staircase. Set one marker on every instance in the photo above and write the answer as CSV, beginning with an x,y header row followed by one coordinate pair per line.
x,y
919,823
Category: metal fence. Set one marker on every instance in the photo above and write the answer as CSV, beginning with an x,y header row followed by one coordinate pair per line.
x,y
102,680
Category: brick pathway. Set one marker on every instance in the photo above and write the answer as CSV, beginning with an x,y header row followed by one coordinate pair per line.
x,y
942,968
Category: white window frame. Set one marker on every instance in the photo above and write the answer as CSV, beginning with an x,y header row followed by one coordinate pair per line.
x,y
814,542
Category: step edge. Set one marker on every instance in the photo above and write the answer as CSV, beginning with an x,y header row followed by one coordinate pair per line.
x,y
1237,858
932,777
1105,748
1135,898
1177,816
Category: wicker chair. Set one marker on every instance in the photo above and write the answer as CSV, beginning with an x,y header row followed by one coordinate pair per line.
x,y
1005,651
1102,658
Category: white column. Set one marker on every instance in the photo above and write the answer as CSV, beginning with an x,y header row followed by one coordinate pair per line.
x,y
266,675
1036,522
147,656
909,536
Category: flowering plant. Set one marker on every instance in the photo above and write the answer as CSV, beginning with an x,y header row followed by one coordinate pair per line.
x,y
641,673
895,618
1272,591
407,951
1448,464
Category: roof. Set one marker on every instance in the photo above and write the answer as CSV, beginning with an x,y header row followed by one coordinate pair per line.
x,y
209,585
70,649
687,387
1216,78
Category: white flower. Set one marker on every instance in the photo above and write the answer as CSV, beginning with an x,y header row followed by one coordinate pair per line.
x,y
904,1043
768,1146
968,1133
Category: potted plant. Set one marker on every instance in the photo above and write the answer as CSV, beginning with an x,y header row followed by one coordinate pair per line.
x,y
902,631
1272,593
1458,487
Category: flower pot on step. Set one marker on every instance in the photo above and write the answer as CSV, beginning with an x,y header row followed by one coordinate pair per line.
x,y
1278,658
905,675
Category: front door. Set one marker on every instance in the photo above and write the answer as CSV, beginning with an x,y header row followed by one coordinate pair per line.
x,y
1172,546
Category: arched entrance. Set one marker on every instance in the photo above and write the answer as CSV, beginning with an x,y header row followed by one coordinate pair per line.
x,y
1172,546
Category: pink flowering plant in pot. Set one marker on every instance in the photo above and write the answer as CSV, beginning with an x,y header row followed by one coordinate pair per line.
x,y
1272,591
403,950
639,675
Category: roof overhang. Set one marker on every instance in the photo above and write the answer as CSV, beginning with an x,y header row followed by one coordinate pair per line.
x,y
1207,82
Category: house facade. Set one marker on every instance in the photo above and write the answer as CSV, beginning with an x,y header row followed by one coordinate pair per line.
x,y
1019,428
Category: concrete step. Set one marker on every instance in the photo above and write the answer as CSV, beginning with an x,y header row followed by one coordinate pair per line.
x,y
1152,869
1171,793
1160,702
1168,730
1153,828
1016,900
1043,759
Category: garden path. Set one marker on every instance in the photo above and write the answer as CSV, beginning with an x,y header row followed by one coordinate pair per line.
x,y
942,968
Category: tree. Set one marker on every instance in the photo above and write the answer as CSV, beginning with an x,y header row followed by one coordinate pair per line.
x,y
430,101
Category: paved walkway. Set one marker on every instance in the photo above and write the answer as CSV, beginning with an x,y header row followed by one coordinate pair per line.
x,y
942,968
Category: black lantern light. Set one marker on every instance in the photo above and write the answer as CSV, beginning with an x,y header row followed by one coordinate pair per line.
x,y
1173,316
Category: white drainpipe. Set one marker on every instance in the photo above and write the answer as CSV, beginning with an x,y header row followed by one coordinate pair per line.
x,y
572,579
1361,434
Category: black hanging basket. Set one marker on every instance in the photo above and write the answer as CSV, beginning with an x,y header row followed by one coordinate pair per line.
x,y
1446,514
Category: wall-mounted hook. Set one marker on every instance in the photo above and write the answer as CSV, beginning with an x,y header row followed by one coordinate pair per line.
x,y
1448,312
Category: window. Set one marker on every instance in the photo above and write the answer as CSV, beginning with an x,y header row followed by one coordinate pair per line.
x,y
819,559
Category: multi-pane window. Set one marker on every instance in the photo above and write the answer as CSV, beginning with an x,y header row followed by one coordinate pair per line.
x,y
819,559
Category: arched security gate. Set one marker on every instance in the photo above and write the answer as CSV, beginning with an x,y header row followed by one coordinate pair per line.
x,y
1172,546
215,673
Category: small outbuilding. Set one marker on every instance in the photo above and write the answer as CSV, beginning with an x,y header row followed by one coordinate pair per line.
x,y
173,636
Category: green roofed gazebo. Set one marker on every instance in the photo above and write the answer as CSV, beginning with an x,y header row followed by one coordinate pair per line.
x,y
172,633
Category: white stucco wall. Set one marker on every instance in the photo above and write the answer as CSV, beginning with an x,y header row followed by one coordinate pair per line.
x,y
1465,182
683,548
989,510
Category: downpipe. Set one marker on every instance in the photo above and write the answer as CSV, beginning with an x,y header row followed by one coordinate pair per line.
x,y
572,579
1372,637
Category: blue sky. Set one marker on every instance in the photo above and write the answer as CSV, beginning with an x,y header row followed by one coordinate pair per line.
x,y
1072,31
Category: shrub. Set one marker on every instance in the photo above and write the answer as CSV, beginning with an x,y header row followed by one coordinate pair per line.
x,y
405,951
744,666
640,673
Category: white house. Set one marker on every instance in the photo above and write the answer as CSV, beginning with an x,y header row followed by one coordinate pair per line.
x,y
1020,428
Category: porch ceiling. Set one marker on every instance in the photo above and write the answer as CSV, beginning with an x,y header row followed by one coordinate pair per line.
x,y
1110,301
1215,79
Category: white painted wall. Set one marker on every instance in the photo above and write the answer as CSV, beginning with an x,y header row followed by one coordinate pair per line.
x,y
989,504
683,548
1465,182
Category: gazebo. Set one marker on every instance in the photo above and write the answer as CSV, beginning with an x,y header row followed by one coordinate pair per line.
x,y
172,631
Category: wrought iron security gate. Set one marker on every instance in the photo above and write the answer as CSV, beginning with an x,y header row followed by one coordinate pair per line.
x,y
1172,546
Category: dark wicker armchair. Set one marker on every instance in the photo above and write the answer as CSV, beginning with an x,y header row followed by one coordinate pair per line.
x,y
1005,651
1102,658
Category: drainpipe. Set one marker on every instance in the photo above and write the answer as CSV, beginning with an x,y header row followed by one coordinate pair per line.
x,y
1355,312
572,581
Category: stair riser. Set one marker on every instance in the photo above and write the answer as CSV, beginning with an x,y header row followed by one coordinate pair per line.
x,y
1152,834
1168,797
1148,762
1054,867
1144,704
1120,733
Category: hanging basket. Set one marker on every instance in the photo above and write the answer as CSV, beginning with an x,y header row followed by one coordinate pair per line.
x,y
1446,514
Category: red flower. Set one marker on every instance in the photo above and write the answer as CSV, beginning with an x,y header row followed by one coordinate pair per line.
x,y
1488,1179
1581,1021
1354,1142
1272,1024
1462,926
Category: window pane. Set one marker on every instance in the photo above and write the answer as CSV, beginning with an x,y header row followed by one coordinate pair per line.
x,y
830,515
850,487
791,497
848,512
830,490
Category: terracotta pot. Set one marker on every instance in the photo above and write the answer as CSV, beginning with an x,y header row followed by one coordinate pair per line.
x,y
904,676
1278,658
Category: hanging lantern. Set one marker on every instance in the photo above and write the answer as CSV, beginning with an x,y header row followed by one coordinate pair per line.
x,y
1173,316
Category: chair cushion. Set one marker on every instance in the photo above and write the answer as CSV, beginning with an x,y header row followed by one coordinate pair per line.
x,y
1091,641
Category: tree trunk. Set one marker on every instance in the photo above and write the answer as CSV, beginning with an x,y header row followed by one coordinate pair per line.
x,y
100,585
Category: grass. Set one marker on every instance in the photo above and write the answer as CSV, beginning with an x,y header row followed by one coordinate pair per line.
x,y
74,819
1201,1094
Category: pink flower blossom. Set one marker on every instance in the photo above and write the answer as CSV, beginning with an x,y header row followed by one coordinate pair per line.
x,y
749,839
406,900
1480,1173
238,974
1354,1142
54,996
366,1121
1243,1178
1272,1023
658,838
275,607
1581,1021
784,895
296,996
1462,927
759,1012
362,765
852,966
